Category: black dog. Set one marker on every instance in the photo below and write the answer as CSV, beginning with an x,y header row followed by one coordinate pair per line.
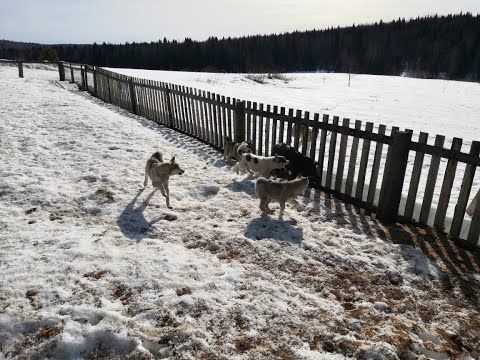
x,y
299,164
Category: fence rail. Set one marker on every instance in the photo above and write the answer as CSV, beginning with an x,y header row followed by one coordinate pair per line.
x,y
371,167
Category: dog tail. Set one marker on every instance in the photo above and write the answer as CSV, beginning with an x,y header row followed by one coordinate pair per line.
x,y
158,155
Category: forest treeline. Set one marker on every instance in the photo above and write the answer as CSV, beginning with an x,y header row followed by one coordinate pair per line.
x,y
434,46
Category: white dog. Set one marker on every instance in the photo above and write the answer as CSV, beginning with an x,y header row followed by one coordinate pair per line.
x,y
260,165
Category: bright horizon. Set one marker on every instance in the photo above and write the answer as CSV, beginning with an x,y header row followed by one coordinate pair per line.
x,y
61,21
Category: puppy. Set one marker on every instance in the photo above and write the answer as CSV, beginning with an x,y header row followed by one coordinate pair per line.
x,y
232,150
261,165
160,172
269,190
298,162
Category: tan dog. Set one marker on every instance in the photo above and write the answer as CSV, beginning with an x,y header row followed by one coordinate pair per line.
x,y
160,172
269,190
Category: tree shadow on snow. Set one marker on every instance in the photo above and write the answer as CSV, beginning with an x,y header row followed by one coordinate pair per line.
x,y
266,227
132,221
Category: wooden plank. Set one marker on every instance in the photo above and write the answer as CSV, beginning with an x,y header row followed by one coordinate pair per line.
x,y
341,157
201,117
260,132
191,121
394,177
224,121
198,116
219,119
274,126
254,129
331,155
213,109
415,180
464,193
267,134
150,101
352,164
362,170
289,139
281,131
206,117
304,132
298,128
321,151
372,187
154,102
447,185
249,121
229,117
183,109
431,181
313,144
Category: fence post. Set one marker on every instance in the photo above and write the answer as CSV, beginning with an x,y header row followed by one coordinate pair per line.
x,y
20,69
394,176
95,81
72,80
82,74
239,120
133,99
61,71
169,108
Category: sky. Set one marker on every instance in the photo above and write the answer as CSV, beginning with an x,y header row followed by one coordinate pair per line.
x,y
119,21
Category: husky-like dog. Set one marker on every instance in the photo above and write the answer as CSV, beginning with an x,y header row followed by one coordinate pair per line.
x,y
282,192
160,172
233,150
261,165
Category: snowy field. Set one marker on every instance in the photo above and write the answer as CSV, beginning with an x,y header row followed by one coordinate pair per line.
x,y
449,108
94,266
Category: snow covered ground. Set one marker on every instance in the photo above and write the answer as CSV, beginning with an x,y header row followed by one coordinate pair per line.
x,y
449,108
94,266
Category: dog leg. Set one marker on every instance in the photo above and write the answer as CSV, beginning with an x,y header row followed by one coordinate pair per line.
x,y
282,209
264,206
167,191
237,168
162,190
147,168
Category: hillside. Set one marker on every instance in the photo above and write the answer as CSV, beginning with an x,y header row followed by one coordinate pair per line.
x,y
95,266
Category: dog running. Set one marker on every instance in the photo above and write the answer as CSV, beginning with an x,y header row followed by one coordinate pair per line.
x,y
282,192
160,172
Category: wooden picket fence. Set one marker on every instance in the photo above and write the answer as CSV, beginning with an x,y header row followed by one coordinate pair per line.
x,y
389,191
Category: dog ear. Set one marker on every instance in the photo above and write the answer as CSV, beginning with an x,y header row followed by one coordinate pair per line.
x,y
172,160
299,175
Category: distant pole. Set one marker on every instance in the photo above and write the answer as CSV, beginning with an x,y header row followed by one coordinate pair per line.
x,y
20,69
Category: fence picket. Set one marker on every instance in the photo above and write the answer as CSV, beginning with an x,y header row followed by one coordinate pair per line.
x,y
431,180
352,161
362,170
341,157
447,185
331,154
464,193
372,187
